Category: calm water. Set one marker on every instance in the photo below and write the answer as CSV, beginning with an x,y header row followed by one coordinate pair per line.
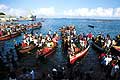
x,y
108,27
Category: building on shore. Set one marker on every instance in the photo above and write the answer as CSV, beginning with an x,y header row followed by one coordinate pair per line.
x,y
7,18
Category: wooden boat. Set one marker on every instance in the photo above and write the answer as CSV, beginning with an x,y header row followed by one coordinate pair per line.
x,y
7,37
46,51
78,55
97,47
66,28
91,26
27,49
115,50
36,26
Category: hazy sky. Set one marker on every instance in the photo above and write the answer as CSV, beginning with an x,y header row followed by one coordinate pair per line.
x,y
62,8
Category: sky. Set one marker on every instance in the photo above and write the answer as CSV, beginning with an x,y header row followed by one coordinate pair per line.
x,y
62,8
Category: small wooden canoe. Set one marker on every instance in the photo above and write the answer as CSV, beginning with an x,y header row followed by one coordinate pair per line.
x,y
46,51
27,49
78,55
117,48
36,26
7,37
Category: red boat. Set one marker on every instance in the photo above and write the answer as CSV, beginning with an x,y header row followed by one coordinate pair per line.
x,y
117,48
46,51
27,49
78,55
7,37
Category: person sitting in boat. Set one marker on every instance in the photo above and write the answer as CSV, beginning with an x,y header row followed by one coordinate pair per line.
x,y
8,33
115,71
55,39
1,33
24,43
107,60
43,41
31,39
40,37
102,56
113,42
74,32
48,38
28,40
72,47
54,73
89,36
68,32
56,34
50,44
35,41
83,43
40,45
108,42
99,40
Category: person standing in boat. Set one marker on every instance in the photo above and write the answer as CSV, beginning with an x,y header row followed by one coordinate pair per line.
x,y
49,32
108,42
89,36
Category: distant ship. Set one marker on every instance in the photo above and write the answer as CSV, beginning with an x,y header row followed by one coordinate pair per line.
x,y
31,18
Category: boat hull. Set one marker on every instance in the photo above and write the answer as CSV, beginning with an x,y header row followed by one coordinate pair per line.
x,y
79,55
46,51
27,49
7,37
115,50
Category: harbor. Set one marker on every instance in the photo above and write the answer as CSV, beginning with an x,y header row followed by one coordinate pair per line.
x,y
59,40
87,66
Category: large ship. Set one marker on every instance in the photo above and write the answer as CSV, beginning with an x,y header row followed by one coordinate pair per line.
x,y
32,18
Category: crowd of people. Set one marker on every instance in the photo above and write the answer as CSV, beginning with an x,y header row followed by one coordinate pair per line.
x,y
7,29
38,39
72,42
109,61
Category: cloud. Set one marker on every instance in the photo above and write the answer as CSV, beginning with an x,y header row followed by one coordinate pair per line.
x,y
117,12
51,12
39,12
86,12
17,12
45,12
2,7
